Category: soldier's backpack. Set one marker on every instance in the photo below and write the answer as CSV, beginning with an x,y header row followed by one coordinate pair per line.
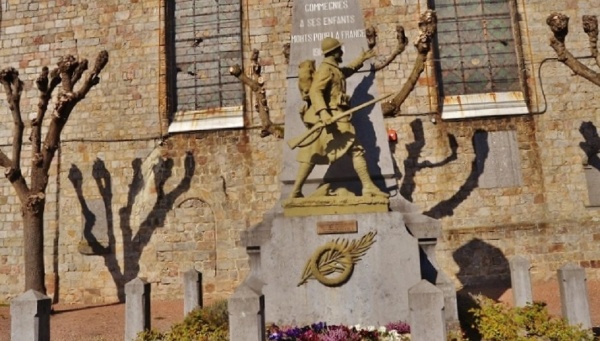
x,y
306,70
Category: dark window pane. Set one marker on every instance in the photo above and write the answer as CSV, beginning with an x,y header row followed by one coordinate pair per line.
x,y
451,63
476,47
498,7
469,8
207,40
453,82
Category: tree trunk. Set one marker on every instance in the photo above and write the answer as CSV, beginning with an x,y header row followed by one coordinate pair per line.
x,y
68,72
33,242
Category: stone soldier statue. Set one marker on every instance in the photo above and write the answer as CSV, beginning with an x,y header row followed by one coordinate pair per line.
x,y
327,97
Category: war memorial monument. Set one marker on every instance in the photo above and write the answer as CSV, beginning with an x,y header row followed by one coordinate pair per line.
x,y
342,246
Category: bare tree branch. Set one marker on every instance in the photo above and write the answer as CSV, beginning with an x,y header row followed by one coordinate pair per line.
x,y
402,41
5,161
14,176
92,78
79,70
66,67
13,86
54,79
236,71
257,87
19,184
42,83
67,99
590,27
427,27
559,24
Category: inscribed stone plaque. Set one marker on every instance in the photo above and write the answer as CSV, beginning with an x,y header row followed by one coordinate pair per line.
x,y
95,228
592,177
498,159
312,21
333,227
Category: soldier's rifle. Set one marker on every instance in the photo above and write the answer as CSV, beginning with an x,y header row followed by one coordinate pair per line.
x,y
295,142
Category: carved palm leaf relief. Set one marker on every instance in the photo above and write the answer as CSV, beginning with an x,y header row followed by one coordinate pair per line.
x,y
332,263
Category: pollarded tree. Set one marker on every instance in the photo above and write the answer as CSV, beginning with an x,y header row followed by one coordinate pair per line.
x,y
32,194
559,24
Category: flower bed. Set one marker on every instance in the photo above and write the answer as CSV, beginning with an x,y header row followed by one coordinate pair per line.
x,y
398,331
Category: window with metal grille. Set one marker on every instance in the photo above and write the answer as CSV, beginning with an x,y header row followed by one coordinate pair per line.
x,y
206,39
477,59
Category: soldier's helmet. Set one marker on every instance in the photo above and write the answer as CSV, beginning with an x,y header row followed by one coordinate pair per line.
x,y
330,44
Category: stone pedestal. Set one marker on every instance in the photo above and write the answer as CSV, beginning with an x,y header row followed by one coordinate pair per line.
x,y
520,280
427,312
137,308
376,288
192,291
30,317
574,296
290,284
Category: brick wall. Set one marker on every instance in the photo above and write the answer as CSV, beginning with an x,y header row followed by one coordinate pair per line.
x,y
144,217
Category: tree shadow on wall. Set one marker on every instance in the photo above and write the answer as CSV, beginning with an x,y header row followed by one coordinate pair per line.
x,y
363,119
412,165
446,207
483,269
133,243
591,145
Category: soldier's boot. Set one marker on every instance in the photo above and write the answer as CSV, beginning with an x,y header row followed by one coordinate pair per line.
x,y
304,170
368,187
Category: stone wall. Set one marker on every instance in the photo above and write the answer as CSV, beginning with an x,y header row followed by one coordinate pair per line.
x,y
173,207
130,201
118,116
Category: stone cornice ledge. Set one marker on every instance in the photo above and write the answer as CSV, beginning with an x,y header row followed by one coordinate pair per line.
x,y
486,104
210,119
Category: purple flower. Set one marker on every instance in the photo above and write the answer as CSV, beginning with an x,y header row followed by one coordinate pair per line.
x,y
320,331
400,326
319,327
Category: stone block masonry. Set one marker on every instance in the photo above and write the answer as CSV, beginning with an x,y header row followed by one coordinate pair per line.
x,y
190,228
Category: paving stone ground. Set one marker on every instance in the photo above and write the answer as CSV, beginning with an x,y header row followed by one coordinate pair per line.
x,y
96,323
106,322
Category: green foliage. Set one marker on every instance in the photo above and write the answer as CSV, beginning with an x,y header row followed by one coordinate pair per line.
x,y
456,335
493,321
498,322
206,324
